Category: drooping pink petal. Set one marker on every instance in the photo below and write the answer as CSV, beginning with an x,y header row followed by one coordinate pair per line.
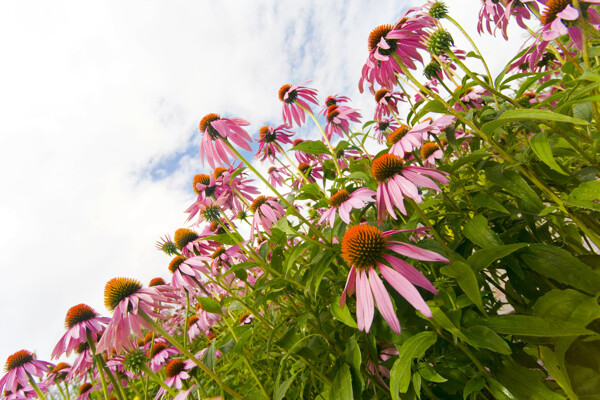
x,y
384,303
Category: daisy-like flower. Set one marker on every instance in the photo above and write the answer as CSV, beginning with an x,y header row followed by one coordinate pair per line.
x,y
176,372
80,320
558,17
266,212
270,140
387,102
186,275
19,367
58,373
295,98
383,127
84,362
84,391
343,202
277,176
366,248
402,39
429,153
310,171
214,129
223,259
471,98
397,180
159,354
431,127
127,297
332,100
201,323
338,119
404,140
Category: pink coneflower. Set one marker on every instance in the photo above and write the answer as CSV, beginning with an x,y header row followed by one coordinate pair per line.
x,y
343,203
397,180
332,100
270,140
127,298
338,119
84,391
176,372
471,98
431,127
301,156
20,366
159,355
83,363
559,14
404,140
277,176
310,171
24,393
58,373
365,248
383,127
294,97
266,213
186,274
387,102
223,259
377,368
201,323
80,320
494,16
429,153
403,39
431,85
214,129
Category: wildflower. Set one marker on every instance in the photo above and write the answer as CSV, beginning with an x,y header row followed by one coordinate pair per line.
x,y
365,248
310,171
333,100
270,140
429,153
81,320
397,180
176,372
387,102
201,323
84,391
58,373
404,140
186,275
83,363
403,39
557,20
266,212
471,98
431,127
159,354
343,203
496,15
166,245
301,156
214,129
338,119
277,176
20,366
383,126
295,100
127,298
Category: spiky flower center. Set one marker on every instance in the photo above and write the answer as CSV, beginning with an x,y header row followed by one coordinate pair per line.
x,y
363,246
219,171
211,213
553,8
438,10
382,126
398,134
386,166
338,198
203,179
174,367
85,387
297,142
59,367
175,263
134,361
304,168
157,282
428,149
192,320
259,201
380,94
291,95
218,252
81,347
272,170
432,70
439,41
267,134
206,126
242,215
330,101
18,359
216,227
118,289
79,313
547,59
332,112
184,236
377,34
157,348
166,245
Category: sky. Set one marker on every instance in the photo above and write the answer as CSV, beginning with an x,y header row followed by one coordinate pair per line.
x,y
100,104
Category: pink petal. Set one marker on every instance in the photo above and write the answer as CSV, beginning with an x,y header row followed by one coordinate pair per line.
x,y
384,303
406,289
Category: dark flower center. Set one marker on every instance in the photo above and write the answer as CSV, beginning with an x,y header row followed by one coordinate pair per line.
x,y
553,8
332,112
267,134
386,166
18,359
398,134
59,367
118,289
79,313
81,347
85,387
330,101
175,263
428,149
363,246
219,171
259,201
291,95
174,367
192,320
205,125
380,94
305,169
184,236
271,170
337,199
204,180
377,34
157,282
382,126
218,252
157,348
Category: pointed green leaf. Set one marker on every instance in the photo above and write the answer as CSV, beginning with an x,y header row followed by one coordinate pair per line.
x,y
541,148
478,232
466,279
484,257
341,388
525,325
312,147
413,347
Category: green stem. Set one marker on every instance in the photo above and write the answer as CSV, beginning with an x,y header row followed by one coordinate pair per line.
x,y
158,380
35,386
186,353
97,363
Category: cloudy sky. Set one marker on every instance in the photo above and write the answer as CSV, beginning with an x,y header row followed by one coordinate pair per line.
x,y
100,103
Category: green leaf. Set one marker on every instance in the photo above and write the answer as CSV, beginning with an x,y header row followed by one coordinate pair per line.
x,y
470,159
567,305
283,388
342,384
484,257
342,314
525,115
442,319
590,76
413,347
429,374
554,369
239,346
586,195
467,281
227,238
486,201
524,383
478,232
482,336
498,391
210,356
473,385
312,147
514,184
210,305
541,147
525,325
560,265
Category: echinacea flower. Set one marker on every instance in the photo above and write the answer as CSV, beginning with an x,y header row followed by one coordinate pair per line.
x,y
343,202
387,102
404,140
127,298
20,368
397,180
383,127
295,100
84,391
310,171
332,100
214,129
81,320
58,373
201,323
159,354
367,249
339,118
266,213
429,153
277,176
270,140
